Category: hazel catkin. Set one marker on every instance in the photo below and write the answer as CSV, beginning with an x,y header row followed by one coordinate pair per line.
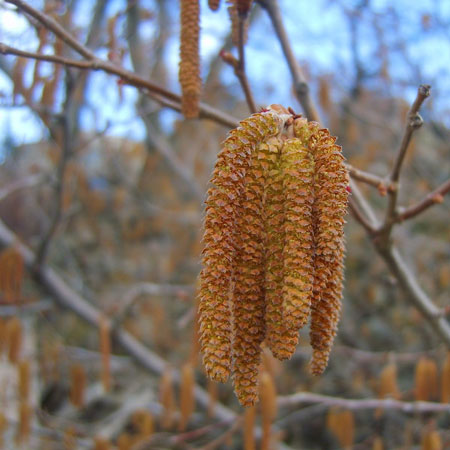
x,y
273,247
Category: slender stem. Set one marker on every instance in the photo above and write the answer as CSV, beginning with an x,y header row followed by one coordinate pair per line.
x,y
163,96
358,215
369,178
414,122
434,197
389,404
55,27
240,66
300,84
66,150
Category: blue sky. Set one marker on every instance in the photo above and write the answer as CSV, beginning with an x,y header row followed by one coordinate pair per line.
x,y
320,35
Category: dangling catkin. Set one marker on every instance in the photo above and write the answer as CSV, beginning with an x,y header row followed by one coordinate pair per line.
x,y
105,351
298,172
426,380
187,400
445,380
77,385
222,208
167,399
330,206
14,336
189,70
274,246
248,294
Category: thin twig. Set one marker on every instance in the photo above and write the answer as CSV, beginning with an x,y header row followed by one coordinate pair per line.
x,y
381,184
414,122
240,66
22,183
358,215
300,84
433,198
223,437
159,93
361,404
66,150
55,27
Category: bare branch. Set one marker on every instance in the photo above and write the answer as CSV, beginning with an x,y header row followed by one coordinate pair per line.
x,y
300,85
55,27
22,183
358,215
413,291
414,121
381,184
390,404
240,67
433,198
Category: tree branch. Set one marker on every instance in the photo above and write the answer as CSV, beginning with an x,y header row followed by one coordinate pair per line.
x,y
414,122
300,84
434,197
356,405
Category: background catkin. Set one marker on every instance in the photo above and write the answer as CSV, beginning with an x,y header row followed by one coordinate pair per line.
x,y
189,69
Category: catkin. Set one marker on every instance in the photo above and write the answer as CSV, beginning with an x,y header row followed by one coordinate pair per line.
x,y
222,208
248,295
77,385
187,401
330,205
189,69
273,247
298,172
445,380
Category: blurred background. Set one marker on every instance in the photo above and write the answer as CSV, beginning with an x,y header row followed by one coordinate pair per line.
x,y
106,185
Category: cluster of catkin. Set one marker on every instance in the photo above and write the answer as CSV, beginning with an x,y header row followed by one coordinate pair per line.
x,y
273,247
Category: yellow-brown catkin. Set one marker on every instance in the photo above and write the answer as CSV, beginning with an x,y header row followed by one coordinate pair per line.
x,y
268,396
249,278
249,428
342,425
214,5
3,336
377,444
388,382
280,343
3,426
24,428
223,206
330,207
167,399
69,439
445,380
101,443
298,172
431,440
105,351
77,385
426,380
24,380
14,337
187,401
189,70
11,274
125,442
143,421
